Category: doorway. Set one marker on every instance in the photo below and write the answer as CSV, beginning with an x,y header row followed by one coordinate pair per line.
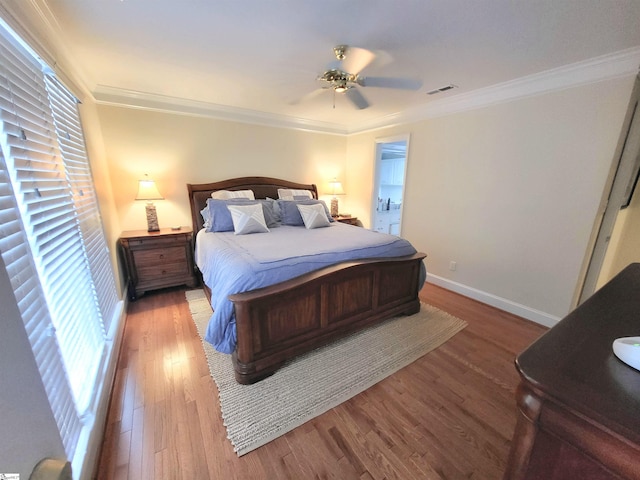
x,y
390,171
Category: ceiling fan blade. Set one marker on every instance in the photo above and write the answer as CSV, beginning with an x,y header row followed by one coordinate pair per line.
x,y
389,82
356,98
356,59
308,96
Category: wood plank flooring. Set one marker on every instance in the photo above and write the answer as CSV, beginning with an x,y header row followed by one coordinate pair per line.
x,y
449,415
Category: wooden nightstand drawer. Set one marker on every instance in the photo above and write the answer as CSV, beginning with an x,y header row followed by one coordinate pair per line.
x,y
158,260
151,271
157,242
159,256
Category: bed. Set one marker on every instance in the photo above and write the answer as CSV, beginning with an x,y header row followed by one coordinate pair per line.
x,y
275,323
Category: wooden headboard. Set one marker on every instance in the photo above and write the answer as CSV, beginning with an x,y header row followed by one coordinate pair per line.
x,y
262,187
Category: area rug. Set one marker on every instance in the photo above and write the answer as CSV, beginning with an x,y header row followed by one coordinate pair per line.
x,y
319,380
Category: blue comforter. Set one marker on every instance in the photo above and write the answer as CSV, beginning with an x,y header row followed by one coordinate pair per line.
x,y
238,263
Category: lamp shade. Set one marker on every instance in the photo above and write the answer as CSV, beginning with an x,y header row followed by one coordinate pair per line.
x,y
335,187
147,190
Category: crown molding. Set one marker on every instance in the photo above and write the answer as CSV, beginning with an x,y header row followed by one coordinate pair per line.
x,y
598,69
161,103
606,67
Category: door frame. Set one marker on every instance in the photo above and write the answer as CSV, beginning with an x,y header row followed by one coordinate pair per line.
x,y
379,147
618,190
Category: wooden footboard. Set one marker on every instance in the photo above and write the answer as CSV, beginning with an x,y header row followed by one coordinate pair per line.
x,y
277,323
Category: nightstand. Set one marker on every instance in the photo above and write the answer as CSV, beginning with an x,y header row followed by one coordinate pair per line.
x,y
348,219
158,259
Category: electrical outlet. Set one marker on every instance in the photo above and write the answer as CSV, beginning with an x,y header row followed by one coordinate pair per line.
x,y
452,266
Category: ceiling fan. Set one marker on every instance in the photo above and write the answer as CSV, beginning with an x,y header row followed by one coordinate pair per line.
x,y
345,75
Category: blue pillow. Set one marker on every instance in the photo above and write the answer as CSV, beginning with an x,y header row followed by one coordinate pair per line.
x,y
290,215
217,217
271,212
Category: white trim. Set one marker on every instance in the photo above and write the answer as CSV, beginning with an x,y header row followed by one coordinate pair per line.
x,y
148,101
85,465
498,302
379,143
597,69
605,67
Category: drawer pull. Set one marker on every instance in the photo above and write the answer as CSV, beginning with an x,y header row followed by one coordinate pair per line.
x,y
161,255
164,272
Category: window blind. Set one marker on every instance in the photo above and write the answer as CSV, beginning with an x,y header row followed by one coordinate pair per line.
x,y
35,314
51,235
72,146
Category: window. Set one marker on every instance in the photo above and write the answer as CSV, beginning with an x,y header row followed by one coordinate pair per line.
x,y
51,236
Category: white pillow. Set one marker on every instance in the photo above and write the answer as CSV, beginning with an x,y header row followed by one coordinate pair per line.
x,y
313,216
290,194
248,219
227,194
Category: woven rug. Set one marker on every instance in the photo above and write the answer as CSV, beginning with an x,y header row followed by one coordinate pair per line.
x,y
319,380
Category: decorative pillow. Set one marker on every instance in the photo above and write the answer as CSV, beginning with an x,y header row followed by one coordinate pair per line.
x,y
290,215
248,219
227,194
271,212
217,217
276,208
206,217
313,216
291,194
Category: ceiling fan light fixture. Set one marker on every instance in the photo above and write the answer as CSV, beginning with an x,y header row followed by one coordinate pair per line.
x,y
341,88
340,51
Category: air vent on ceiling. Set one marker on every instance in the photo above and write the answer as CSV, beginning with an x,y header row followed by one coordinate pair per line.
x,y
442,89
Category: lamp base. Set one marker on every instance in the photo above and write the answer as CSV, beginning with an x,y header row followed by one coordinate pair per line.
x,y
334,207
152,218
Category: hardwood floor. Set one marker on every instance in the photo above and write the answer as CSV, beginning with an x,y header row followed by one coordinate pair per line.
x,y
449,415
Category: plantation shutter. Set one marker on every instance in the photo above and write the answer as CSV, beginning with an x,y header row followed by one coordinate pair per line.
x,y
73,150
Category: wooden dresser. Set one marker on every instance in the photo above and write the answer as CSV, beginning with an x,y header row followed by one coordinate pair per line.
x,y
579,405
157,259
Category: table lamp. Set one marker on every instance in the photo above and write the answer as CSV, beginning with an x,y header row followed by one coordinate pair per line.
x,y
335,189
148,191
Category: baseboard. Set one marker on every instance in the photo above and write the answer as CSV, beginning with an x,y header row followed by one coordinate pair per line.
x,y
502,303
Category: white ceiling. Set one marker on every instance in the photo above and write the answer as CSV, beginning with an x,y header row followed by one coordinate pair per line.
x,y
259,55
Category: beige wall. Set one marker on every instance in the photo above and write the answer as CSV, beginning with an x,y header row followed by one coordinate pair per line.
x,y
509,192
179,149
